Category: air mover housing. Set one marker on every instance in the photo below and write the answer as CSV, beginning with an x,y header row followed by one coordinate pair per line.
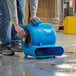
x,y
40,40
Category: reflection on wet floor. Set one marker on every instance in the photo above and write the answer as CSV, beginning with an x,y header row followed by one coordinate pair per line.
x,y
60,66
17,66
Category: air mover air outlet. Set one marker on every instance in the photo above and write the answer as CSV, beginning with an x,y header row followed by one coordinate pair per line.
x,y
49,51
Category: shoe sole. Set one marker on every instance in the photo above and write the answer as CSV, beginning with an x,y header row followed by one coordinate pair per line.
x,y
0,52
12,54
15,50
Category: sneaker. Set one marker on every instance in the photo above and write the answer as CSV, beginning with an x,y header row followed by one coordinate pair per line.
x,y
17,48
7,51
0,52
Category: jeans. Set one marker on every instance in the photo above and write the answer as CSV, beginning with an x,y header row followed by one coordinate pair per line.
x,y
21,15
5,27
8,32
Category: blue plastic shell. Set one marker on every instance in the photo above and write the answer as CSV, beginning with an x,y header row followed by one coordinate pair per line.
x,y
42,40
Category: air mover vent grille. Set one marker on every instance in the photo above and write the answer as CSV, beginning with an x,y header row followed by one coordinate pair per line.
x,y
53,51
27,38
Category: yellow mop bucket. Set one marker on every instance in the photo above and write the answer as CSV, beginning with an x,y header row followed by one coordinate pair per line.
x,y
70,25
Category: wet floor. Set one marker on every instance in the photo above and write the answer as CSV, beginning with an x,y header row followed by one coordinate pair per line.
x,y
60,66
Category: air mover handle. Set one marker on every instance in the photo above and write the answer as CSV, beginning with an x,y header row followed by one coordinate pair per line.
x,y
35,22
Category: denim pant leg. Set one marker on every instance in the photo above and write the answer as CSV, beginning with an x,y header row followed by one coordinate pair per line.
x,y
21,16
21,11
5,27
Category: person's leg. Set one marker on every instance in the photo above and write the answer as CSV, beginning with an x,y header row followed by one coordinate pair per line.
x,y
21,11
5,29
21,16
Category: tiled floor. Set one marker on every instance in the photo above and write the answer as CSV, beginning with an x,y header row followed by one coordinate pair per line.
x,y
65,39
61,66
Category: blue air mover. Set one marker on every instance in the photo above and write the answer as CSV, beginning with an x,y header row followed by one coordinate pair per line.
x,y
40,40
